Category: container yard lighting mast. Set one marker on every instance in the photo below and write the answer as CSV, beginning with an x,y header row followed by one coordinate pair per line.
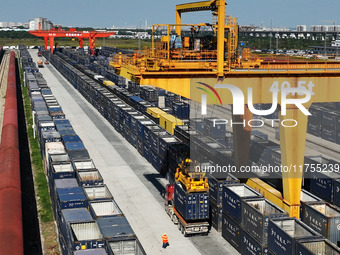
x,y
178,65
49,35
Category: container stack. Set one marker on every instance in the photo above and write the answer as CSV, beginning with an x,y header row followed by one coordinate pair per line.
x,y
311,247
170,98
314,121
216,183
324,219
149,94
285,234
255,217
131,117
75,184
329,126
232,198
181,110
214,129
133,87
191,206
27,63
324,121
323,184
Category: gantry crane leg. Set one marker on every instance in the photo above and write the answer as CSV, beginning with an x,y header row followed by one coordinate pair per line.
x,y
46,41
51,43
241,137
80,42
292,143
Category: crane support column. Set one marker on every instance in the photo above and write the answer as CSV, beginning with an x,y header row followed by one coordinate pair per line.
x,y
51,43
292,144
220,38
46,41
80,42
178,21
242,137
92,41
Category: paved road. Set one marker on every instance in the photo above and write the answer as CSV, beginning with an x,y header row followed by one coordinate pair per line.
x,y
135,184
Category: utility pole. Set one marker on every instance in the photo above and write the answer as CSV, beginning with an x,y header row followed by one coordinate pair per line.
x,y
271,34
139,42
325,44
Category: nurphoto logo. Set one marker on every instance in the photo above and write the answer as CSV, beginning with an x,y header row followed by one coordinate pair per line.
x,y
304,91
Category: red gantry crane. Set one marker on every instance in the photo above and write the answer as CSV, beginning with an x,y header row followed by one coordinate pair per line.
x,y
72,33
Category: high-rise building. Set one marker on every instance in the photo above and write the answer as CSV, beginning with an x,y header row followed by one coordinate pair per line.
x,y
301,28
45,24
3,24
31,25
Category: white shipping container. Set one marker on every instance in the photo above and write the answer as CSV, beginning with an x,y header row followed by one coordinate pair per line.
x,y
84,165
86,231
97,192
105,208
54,148
65,167
242,190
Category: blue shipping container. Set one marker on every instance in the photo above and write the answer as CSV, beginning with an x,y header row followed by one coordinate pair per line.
x,y
250,246
61,121
322,184
216,186
67,132
74,146
312,247
192,206
64,127
71,198
232,199
336,192
231,231
216,216
141,126
62,170
71,139
283,235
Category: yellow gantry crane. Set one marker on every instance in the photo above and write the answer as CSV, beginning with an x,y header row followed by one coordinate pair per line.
x,y
193,181
178,64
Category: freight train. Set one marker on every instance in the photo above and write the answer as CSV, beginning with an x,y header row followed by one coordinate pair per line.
x,y
86,213
128,114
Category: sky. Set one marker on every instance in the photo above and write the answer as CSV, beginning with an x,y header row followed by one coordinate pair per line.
x,y
106,13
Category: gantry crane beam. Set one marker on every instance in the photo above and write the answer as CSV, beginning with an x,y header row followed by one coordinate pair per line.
x,y
193,7
92,36
213,5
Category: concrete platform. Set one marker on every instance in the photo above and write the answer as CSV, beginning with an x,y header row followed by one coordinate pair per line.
x,y
135,184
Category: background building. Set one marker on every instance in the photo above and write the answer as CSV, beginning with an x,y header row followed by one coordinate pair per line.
x,y
44,23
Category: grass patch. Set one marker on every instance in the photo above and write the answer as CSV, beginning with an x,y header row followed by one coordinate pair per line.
x,y
51,245
119,43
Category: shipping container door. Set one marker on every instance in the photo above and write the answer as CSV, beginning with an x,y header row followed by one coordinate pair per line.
x,y
124,247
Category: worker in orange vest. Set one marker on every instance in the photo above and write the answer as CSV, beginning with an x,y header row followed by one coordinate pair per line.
x,y
165,240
